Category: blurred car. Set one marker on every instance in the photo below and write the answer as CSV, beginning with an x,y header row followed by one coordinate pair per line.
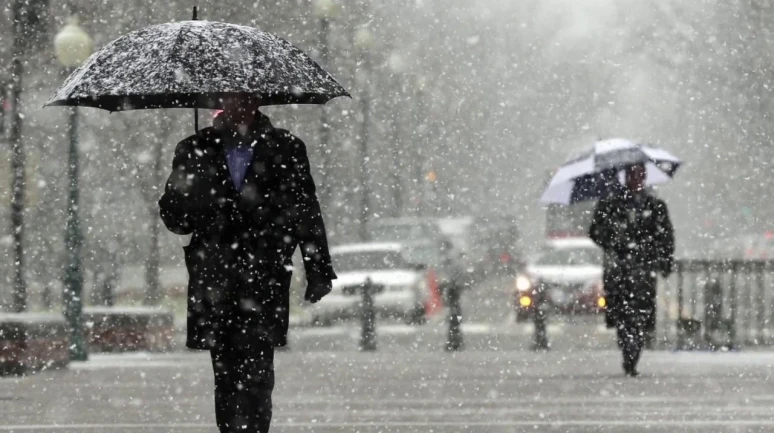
x,y
493,247
568,272
422,240
402,279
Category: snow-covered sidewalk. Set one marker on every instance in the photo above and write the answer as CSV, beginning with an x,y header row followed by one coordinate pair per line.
x,y
323,392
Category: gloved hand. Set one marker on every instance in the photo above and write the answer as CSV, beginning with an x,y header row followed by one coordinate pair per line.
x,y
316,288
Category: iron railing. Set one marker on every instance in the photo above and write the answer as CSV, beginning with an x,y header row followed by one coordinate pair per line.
x,y
718,304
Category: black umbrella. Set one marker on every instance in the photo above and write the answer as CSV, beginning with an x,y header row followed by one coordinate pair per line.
x,y
195,64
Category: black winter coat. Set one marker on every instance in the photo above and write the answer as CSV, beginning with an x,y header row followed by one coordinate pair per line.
x,y
637,237
240,254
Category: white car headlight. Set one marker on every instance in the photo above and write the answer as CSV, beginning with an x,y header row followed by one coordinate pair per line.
x,y
523,283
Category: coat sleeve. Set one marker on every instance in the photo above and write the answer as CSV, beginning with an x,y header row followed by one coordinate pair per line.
x,y
665,239
310,230
180,211
600,231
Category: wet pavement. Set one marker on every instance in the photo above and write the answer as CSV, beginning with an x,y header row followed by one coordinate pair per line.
x,y
410,384
472,391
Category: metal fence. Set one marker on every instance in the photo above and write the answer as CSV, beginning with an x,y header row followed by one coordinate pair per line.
x,y
717,304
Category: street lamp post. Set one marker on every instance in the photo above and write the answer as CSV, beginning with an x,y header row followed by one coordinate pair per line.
x,y
17,162
73,46
364,41
325,10
397,66
420,147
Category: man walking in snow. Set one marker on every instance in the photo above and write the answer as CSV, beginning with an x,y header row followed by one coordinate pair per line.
x,y
634,230
243,189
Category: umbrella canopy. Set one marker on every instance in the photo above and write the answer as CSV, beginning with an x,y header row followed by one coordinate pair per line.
x,y
598,172
195,64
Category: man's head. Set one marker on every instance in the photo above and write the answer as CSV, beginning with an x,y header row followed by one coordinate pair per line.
x,y
240,110
635,177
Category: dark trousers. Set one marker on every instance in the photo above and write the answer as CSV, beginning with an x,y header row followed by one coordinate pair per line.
x,y
635,315
244,381
243,356
631,336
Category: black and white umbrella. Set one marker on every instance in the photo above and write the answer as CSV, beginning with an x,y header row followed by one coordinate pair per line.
x,y
195,64
599,171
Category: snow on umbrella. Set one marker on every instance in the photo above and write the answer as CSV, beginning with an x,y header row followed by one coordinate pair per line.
x,y
195,64
598,172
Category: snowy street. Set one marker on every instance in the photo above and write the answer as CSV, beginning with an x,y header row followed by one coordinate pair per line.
x,y
412,216
409,392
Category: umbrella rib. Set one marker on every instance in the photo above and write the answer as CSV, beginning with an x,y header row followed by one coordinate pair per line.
x,y
202,41
178,43
196,110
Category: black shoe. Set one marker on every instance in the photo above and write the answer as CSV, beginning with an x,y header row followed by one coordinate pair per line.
x,y
630,367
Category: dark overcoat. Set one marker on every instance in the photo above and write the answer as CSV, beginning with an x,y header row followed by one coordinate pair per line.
x,y
240,254
637,237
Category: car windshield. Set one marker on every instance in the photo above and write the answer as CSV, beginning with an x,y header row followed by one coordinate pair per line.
x,y
369,261
571,257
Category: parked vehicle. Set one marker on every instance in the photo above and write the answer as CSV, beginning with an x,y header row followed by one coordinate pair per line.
x,y
568,273
400,273
493,248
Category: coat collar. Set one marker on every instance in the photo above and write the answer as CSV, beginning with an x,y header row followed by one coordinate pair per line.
x,y
217,138
262,132
261,126
625,198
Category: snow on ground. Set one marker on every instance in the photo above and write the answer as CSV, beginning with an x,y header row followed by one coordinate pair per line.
x,y
517,391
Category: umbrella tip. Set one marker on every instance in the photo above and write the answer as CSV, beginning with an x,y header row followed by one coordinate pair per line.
x,y
194,13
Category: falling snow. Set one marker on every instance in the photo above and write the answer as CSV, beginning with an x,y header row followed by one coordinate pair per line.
x,y
482,145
